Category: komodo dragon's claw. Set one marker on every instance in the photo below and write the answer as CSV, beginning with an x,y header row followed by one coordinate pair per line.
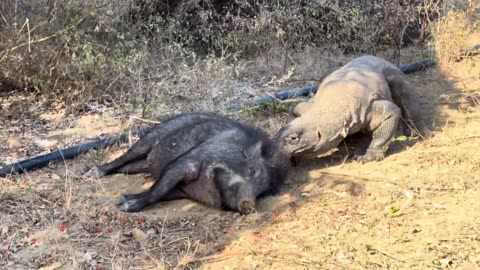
x,y
371,155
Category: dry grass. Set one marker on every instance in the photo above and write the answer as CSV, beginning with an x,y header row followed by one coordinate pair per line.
x,y
417,209
457,32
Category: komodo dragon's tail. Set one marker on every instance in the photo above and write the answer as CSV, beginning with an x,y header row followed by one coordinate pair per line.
x,y
406,98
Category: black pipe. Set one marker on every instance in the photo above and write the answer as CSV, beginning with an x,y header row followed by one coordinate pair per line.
x,y
311,89
67,153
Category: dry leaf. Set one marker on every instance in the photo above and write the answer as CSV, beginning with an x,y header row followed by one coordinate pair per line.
x,y
139,235
13,143
3,230
49,235
52,267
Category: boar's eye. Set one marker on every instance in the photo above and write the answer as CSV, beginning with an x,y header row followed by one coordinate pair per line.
x,y
253,172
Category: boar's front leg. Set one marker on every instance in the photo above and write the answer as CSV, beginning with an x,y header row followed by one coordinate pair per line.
x,y
183,171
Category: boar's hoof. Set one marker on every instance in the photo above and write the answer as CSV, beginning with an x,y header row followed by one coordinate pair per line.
x,y
246,207
371,155
130,205
95,172
99,173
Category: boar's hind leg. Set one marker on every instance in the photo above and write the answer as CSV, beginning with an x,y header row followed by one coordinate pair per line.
x,y
139,150
383,123
139,166
185,171
177,143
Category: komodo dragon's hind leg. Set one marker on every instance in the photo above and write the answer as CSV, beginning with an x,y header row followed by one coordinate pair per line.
x,y
382,124
405,97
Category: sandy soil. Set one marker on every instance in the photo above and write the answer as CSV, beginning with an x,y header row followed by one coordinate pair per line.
x,y
417,209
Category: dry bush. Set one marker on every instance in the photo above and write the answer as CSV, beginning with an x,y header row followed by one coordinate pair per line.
x,y
452,33
145,54
253,27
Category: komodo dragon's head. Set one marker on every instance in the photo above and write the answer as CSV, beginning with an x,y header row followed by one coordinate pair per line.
x,y
300,138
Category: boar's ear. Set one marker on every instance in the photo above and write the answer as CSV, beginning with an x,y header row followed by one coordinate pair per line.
x,y
254,150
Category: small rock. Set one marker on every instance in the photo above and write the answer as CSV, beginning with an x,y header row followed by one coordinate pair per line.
x,y
308,188
416,230
89,255
340,256
445,262
45,144
139,235
439,206
409,194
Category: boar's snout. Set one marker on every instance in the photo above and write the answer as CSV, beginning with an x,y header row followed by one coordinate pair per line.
x,y
246,199
246,206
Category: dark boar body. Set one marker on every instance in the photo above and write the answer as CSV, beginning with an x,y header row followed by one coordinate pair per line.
x,y
206,157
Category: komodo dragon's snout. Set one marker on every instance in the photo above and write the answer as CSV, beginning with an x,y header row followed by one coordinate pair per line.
x,y
298,139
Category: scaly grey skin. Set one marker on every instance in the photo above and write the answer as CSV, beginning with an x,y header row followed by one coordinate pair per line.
x,y
196,156
367,95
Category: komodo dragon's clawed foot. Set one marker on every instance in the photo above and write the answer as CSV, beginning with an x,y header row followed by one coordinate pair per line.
x,y
371,155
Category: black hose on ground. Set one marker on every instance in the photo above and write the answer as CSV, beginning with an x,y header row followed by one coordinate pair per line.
x,y
67,153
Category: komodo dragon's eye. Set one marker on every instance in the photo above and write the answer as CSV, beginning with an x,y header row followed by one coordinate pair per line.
x,y
293,139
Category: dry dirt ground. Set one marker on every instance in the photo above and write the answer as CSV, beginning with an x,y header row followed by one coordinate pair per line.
x,y
417,209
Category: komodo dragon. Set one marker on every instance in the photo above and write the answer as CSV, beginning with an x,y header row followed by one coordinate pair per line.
x,y
367,95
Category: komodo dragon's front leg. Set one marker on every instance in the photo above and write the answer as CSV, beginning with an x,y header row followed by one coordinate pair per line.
x,y
383,121
302,108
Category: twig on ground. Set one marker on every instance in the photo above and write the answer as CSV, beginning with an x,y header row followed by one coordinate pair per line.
x,y
216,257
144,120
